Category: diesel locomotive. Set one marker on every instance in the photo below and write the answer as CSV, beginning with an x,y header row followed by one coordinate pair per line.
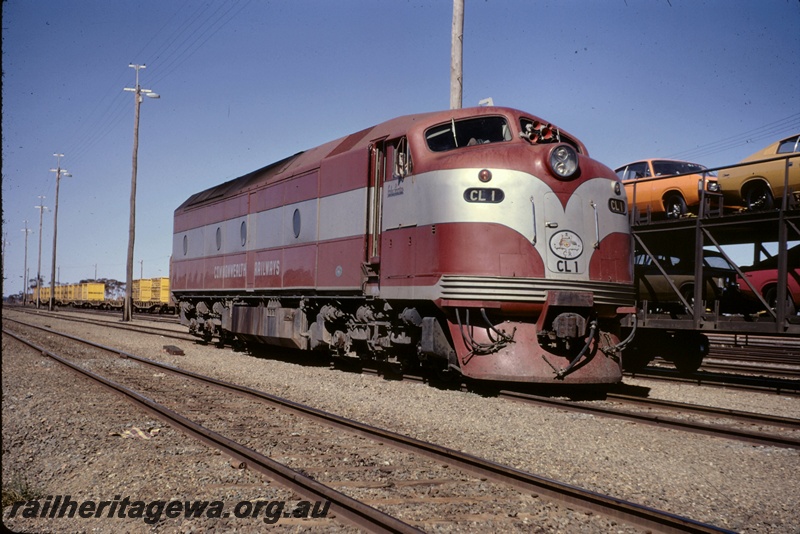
x,y
481,241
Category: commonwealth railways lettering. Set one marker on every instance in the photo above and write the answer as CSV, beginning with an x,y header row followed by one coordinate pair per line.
x,y
234,270
268,268
239,270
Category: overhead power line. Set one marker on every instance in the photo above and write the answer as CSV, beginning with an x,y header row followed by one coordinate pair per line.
x,y
169,47
773,130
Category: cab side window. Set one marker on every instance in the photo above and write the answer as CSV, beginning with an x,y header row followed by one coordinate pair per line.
x,y
402,159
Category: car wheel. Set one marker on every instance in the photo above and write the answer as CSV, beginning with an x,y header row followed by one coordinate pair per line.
x,y
771,296
759,198
688,293
675,207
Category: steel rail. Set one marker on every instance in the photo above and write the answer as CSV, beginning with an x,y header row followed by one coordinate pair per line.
x,y
700,428
749,417
141,329
752,369
356,512
748,383
626,511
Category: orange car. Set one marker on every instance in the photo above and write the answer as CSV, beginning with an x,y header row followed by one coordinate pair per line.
x,y
657,188
760,186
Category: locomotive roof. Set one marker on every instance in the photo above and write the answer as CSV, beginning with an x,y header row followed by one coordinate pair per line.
x,y
311,159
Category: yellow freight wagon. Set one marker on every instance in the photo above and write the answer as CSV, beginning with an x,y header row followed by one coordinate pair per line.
x,y
44,293
92,292
142,290
160,290
62,293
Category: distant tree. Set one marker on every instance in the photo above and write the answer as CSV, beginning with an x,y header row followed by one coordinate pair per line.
x,y
114,288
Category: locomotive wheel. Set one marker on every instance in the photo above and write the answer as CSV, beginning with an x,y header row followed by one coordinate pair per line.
x,y
675,206
759,198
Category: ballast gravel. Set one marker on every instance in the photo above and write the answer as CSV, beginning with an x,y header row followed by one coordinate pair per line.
x,y
62,437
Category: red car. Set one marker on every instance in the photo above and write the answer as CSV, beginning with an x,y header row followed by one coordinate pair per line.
x,y
763,275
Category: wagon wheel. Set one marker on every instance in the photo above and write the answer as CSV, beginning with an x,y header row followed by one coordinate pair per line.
x,y
692,348
689,363
635,360
759,198
675,206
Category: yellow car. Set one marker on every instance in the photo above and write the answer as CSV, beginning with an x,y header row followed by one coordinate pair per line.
x,y
760,186
653,184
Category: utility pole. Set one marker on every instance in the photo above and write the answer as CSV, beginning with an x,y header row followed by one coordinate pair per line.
x,y
127,307
59,173
25,269
41,207
456,55
3,260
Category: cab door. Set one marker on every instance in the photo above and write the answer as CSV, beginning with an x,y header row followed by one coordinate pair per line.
x,y
398,217
377,174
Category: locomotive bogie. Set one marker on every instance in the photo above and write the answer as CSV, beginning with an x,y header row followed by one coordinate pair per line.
x,y
484,241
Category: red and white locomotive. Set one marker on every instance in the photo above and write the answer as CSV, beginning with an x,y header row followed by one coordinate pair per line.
x,y
483,241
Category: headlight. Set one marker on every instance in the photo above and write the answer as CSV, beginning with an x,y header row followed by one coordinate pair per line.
x,y
563,161
712,186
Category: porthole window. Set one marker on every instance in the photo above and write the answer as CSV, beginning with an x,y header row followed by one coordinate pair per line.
x,y
219,238
296,223
243,233
185,245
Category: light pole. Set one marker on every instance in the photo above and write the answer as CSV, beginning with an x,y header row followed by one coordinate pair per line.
x,y
41,207
127,307
25,269
59,173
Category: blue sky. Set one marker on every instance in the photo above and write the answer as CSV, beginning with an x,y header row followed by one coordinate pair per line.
x,y
247,82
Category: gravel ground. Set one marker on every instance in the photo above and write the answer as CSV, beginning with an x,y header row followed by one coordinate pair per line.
x,y
55,443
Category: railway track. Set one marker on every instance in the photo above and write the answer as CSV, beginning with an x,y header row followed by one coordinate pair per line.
x,y
779,350
706,420
744,382
701,419
476,470
749,381
129,326
748,368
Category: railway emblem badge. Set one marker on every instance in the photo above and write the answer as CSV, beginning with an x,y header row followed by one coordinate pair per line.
x,y
566,245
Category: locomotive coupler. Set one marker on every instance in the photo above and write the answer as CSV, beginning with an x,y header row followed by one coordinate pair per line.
x,y
561,373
